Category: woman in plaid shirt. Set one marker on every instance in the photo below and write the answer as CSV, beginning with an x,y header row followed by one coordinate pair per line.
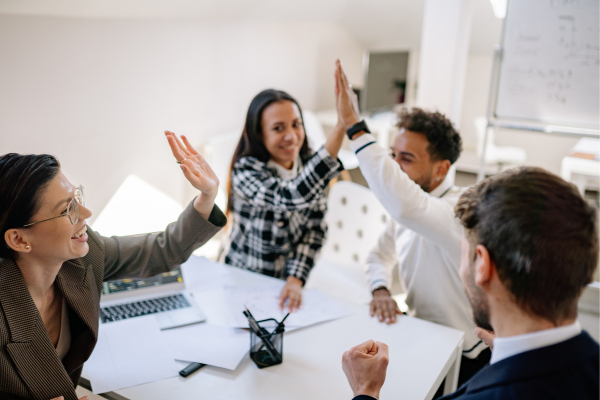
x,y
276,194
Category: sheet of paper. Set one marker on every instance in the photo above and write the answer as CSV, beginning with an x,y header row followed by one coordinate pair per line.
x,y
129,353
262,301
209,344
200,274
214,306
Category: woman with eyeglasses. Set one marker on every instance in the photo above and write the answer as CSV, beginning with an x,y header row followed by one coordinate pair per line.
x,y
52,267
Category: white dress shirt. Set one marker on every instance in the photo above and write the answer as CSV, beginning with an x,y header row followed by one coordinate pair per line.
x,y
505,347
422,241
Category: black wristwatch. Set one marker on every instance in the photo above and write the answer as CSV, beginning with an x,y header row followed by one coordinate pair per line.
x,y
357,127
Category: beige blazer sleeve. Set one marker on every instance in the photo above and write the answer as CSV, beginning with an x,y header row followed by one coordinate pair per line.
x,y
150,254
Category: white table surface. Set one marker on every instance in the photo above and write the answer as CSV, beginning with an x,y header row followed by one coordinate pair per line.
x,y
421,354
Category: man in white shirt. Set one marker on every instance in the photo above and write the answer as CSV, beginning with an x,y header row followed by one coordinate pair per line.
x,y
529,249
422,240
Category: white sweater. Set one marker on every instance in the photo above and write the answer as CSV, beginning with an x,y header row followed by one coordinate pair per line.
x,y
422,240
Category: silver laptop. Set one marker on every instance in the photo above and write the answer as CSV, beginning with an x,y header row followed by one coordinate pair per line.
x,y
163,296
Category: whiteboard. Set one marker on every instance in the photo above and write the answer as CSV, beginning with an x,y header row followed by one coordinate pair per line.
x,y
549,63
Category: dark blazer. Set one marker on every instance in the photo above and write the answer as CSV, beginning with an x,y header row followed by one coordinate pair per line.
x,y
29,365
565,371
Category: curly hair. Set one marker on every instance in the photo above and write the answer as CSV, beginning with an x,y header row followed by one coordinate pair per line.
x,y
444,141
539,232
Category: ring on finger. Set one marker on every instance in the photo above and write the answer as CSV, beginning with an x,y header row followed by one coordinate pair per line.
x,y
184,158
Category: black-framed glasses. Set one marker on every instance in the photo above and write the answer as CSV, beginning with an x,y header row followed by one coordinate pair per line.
x,y
72,210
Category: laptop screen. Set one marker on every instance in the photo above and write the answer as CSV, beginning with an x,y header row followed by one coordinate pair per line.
x,y
122,285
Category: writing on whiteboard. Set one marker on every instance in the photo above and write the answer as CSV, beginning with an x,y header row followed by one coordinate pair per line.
x,y
550,62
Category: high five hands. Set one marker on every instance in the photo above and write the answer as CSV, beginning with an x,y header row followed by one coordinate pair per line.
x,y
346,101
197,172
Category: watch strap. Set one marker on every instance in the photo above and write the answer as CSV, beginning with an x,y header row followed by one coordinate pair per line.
x,y
358,127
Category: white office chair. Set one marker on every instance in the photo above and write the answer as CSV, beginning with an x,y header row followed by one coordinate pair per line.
x,y
355,219
499,155
316,139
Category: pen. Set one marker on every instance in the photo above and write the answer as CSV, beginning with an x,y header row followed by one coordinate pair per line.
x,y
190,369
260,333
281,326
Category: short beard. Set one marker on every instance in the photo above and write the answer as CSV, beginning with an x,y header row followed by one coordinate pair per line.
x,y
479,304
481,316
425,182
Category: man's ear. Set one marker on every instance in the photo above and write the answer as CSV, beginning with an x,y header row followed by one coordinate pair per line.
x,y
441,169
484,266
15,240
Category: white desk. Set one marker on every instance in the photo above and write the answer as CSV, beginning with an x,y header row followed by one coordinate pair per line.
x,y
421,355
581,166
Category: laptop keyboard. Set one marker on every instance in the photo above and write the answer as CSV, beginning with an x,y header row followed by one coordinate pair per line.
x,y
144,307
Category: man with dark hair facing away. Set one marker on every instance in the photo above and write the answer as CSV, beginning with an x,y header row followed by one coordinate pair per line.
x,y
529,249
422,240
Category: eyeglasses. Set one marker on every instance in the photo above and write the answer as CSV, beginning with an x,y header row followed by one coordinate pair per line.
x,y
72,210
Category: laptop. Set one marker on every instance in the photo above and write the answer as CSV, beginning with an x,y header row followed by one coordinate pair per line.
x,y
163,295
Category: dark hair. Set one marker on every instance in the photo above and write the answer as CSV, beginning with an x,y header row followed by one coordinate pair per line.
x,y
251,143
541,235
23,179
444,141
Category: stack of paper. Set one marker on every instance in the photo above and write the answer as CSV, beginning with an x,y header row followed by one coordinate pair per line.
x,y
209,344
263,303
201,274
128,353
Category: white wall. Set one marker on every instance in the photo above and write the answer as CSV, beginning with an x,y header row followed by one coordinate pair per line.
x,y
99,93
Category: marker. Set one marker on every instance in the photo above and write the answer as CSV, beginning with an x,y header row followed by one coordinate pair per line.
x,y
190,369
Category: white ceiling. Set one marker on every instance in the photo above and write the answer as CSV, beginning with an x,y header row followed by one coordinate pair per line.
x,y
378,24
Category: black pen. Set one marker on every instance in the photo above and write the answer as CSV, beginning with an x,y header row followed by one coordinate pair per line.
x,y
260,332
281,326
190,369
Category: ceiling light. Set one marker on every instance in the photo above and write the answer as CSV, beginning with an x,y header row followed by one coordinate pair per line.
x,y
499,7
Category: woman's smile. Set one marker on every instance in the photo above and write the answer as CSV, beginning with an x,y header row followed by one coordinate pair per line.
x,y
81,235
289,149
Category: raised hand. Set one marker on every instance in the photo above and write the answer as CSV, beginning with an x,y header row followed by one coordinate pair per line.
x,y
197,172
365,367
346,101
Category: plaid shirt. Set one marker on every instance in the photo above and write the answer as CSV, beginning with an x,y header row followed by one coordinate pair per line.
x,y
278,226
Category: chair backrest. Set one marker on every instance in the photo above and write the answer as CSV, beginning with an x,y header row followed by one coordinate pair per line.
x,y
314,130
355,219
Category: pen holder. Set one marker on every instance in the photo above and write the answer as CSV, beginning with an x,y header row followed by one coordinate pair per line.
x,y
272,332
